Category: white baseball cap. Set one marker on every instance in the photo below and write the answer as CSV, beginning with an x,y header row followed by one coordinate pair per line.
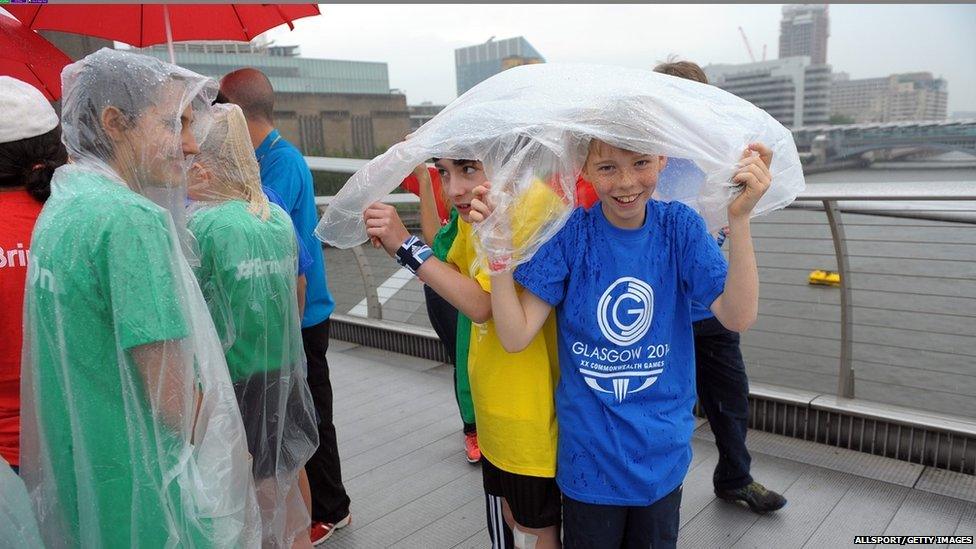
x,y
24,111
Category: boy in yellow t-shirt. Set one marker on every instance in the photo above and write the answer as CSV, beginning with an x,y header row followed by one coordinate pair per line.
x,y
512,392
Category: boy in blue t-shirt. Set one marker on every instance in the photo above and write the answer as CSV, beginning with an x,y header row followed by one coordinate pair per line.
x,y
622,277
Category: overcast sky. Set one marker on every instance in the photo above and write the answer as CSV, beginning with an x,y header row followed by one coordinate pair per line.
x,y
418,40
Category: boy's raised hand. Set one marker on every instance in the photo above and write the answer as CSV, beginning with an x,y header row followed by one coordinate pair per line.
x,y
481,206
754,178
384,227
496,235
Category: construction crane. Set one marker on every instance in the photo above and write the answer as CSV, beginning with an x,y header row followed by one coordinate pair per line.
x,y
748,47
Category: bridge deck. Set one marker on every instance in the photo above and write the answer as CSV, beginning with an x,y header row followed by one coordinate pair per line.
x,y
400,442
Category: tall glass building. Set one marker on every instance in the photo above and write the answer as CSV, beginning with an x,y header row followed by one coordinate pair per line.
x,y
804,30
474,64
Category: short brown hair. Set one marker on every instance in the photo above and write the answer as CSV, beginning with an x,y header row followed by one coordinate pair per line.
x,y
682,69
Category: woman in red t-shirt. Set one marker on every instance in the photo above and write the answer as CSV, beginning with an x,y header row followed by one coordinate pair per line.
x,y
30,150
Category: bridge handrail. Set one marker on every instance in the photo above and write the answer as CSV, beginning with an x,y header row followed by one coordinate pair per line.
x,y
833,198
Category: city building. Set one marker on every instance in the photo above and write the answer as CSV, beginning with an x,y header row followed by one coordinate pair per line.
x,y
422,113
803,31
894,98
325,107
792,90
75,46
474,64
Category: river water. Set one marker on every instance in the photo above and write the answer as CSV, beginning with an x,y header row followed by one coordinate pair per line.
x,y
914,295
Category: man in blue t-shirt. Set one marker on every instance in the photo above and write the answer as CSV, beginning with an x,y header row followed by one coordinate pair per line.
x,y
285,173
622,277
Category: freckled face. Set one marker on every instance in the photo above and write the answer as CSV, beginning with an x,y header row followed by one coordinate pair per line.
x,y
623,180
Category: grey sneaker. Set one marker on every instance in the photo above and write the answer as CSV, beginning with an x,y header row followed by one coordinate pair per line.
x,y
756,496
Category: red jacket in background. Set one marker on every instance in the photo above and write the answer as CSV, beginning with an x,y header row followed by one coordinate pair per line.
x,y
19,212
412,184
585,193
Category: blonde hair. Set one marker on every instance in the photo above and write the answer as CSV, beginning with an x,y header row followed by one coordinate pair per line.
x,y
228,155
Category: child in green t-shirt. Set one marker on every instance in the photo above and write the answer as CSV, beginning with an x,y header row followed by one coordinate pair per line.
x,y
248,257
440,228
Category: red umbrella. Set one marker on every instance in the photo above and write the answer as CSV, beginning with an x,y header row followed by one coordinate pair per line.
x,y
142,25
26,56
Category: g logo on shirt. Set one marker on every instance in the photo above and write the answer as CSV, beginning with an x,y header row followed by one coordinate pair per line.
x,y
625,310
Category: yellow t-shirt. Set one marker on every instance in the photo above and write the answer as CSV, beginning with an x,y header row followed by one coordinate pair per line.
x,y
513,393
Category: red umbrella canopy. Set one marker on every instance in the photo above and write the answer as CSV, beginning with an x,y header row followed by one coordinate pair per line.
x,y
28,57
142,25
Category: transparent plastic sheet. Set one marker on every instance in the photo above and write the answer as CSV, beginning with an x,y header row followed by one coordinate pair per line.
x,y
532,124
152,167
131,432
248,260
18,527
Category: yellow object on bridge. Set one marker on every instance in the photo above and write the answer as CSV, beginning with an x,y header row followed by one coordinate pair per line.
x,y
824,278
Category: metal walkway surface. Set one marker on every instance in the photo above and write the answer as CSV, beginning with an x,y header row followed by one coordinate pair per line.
x,y
403,466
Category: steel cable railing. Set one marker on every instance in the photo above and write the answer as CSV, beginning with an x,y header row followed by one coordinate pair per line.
x,y
899,329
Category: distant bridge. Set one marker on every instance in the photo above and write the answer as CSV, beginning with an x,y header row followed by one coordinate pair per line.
x,y
829,143
846,141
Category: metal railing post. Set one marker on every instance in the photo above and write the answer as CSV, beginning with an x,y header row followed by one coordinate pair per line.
x,y
845,374
373,307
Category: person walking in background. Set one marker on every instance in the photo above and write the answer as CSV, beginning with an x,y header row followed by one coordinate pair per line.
x,y
30,150
284,171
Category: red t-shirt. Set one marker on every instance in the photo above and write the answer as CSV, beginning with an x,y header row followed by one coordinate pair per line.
x,y
412,184
19,212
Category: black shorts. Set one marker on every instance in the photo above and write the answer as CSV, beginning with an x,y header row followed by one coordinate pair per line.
x,y
534,501
258,398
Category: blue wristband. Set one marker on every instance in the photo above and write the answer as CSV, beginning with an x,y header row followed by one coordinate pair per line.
x,y
412,254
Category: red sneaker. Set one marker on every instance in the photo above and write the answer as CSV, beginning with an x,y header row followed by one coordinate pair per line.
x,y
322,531
471,450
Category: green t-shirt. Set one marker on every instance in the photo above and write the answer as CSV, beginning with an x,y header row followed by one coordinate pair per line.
x,y
247,275
444,238
104,278
443,241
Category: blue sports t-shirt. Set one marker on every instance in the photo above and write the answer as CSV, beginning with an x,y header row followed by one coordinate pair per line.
x,y
284,171
304,258
626,350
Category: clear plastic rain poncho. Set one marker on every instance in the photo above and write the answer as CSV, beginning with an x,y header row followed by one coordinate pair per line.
x,y
131,432
531,125
248,264
18,527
